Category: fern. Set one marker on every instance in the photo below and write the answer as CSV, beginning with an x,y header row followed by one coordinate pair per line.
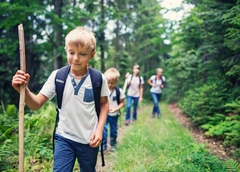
x,y
232,165
234,106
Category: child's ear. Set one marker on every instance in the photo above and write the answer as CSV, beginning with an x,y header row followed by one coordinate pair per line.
x,y
93,54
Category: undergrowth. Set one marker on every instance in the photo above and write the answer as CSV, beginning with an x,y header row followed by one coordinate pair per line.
x,y
162,145
151,145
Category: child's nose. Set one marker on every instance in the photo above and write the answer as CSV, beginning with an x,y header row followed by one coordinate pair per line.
x,y
75,57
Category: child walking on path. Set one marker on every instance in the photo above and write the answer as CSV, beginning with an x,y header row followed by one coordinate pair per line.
x,y
79,132
134,93
116,102
157,83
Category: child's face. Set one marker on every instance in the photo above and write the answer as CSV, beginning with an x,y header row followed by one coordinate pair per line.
x,y
159,73
136,70
78,57
111,83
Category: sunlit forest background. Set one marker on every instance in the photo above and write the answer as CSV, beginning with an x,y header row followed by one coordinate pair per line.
x,y
200,55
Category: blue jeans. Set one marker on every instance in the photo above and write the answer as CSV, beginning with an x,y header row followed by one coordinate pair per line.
x,y
129,104
156,97
66,152
113,122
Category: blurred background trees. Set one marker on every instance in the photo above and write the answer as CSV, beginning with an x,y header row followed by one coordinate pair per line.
x,y
127,32
200,49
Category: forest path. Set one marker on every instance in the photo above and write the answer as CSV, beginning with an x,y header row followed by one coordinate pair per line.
x,y
215,147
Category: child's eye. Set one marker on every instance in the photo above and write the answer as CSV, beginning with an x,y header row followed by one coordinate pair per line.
x,y
70,52
83,54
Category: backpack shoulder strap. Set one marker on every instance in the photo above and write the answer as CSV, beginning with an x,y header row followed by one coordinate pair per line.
x,y
140,81
96,79
60,81
130,81
162,79
117,94
131,78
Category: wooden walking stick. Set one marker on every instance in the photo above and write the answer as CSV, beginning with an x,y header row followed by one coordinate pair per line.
x,y
124,90
22,98
125,84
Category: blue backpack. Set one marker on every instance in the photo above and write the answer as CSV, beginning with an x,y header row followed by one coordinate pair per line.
x,y
60,80
117,94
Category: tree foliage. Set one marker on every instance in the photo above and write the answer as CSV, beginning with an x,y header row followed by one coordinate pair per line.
x,y
204,67
136,36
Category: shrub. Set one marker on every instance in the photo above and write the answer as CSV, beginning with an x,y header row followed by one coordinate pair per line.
x,y
38,128
207,107
203,102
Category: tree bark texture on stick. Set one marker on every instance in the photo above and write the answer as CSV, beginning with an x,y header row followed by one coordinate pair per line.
x,y
22,98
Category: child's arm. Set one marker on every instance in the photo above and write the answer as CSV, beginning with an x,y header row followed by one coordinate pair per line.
x,y
163,81
33,101
151,83
141,92
121,104
96,138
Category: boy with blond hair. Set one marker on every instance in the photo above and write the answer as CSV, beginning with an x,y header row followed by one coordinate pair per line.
x,y
116,102
79,132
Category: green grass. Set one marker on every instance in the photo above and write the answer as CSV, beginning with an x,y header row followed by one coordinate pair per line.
x,y
162,145
150,145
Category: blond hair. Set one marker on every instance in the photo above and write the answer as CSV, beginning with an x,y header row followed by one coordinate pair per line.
x,y
112,74
82,37
159,69
136,66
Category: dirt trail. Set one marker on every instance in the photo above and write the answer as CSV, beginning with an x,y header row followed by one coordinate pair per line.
x,y
122,129
214,146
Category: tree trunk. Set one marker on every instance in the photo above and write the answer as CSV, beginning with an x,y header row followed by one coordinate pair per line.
x,y
117,44
102,36
57,29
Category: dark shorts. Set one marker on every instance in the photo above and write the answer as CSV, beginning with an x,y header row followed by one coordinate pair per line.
x,y
66,152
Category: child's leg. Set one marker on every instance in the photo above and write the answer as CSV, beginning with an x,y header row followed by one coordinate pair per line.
x,y
135,104
113,130
129,103
87,157
158,108
64,155
153,110
155,103
105,134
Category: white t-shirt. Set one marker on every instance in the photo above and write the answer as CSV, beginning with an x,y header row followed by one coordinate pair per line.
x,y
113,100
133,89
157,88
77,117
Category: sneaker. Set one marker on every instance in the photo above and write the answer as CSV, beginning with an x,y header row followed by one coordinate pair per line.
x,y
113,149
105,151
127,122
